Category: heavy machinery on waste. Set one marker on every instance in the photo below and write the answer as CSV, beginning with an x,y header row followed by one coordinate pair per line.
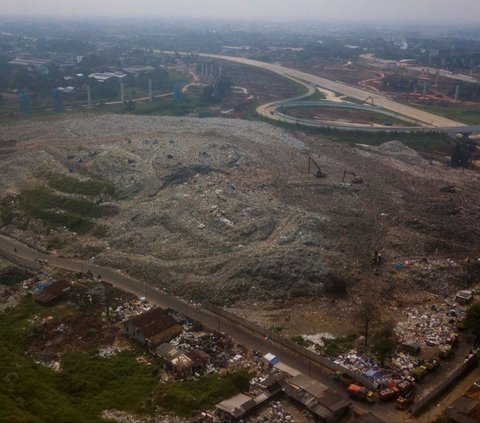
x,y
355,178
319,173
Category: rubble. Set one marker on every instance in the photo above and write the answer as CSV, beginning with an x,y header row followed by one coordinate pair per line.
x,y
430,325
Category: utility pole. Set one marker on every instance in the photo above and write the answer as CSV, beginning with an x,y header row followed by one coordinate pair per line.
x,y
122,92
89,97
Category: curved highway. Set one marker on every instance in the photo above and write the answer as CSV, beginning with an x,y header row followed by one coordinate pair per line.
x,y
420,116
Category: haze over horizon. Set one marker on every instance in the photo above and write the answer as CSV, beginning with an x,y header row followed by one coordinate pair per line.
x,y
413,11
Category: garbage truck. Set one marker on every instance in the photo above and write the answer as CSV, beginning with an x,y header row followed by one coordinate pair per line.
x,y
361,393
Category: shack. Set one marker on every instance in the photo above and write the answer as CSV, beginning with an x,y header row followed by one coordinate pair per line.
x,y
53,292
235,408
152,328
466,409
316,397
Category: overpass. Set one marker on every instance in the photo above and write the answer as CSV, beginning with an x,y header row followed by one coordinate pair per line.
x,y
424,118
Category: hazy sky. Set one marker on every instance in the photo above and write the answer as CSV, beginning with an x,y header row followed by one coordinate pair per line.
x,y
372,10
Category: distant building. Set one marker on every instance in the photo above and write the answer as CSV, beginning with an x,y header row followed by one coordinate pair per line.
x,y
136,70
152,328
29,62
105,76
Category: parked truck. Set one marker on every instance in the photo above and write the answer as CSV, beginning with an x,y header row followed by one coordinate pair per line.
x,y
388,394
361,393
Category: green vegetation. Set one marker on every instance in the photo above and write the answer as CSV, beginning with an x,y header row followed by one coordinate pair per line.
x,y
316,96
55,210
191,397
86,385
337,346
90,188
385,342
464,114
420,141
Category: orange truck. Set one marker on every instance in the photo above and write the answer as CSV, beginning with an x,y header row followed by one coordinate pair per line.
x,y
361,393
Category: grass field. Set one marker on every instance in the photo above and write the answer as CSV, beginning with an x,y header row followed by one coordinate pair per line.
x,y
191,397
467,115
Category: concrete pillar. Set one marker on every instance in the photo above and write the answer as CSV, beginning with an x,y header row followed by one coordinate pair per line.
x,y
436,78
457,92
122,92
424,89
89,96
150,90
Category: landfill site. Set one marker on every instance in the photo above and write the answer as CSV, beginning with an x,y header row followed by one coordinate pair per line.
x,y
318,247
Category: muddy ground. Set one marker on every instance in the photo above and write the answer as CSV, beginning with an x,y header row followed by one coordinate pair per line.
x,y
224,211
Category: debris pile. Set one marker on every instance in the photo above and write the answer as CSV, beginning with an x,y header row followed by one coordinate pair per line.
x,y
129,309
431,325
274,414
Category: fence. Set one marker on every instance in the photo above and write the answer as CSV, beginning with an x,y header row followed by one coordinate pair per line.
x,y
420,406
323,362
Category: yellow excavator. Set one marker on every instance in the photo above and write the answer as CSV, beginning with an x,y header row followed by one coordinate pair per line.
x,y
355,178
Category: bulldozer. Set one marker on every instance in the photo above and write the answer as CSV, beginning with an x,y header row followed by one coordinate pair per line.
x,y
355,178
319,173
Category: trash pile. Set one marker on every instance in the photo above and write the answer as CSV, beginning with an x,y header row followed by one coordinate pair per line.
x,y
224,354
129,309
431,325
273,414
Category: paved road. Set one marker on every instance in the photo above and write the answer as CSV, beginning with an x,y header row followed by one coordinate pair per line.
x,y
420,116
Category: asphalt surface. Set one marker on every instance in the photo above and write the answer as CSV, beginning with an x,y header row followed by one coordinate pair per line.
x,y
424,118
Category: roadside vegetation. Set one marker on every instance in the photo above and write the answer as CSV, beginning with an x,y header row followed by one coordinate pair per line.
x,y
191,397
470,115
423,142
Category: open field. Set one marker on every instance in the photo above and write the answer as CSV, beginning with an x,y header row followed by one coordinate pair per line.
x,y
469,115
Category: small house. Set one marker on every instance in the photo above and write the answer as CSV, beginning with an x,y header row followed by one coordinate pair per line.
x,y
152,328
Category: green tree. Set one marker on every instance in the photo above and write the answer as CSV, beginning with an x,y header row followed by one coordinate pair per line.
x,y
385,342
